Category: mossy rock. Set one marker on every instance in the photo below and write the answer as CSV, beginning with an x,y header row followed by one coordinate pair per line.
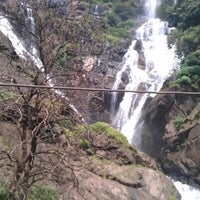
x,y
99,128
102,127
103,141
84,144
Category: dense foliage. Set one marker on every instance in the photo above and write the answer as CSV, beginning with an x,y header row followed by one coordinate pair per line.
x,y
120,16
185,15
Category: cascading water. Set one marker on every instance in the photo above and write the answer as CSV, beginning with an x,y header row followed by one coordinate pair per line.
x,y
7,29
147,64
31,54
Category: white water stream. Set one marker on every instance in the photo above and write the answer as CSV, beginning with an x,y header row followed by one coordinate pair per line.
x,y
160,61
7,29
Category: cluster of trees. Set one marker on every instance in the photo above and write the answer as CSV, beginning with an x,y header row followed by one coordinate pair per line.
x,y
185,15
120,16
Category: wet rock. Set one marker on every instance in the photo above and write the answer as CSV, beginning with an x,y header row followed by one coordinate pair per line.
x,y
141,59
110,181
97,11
138,46
155,119
56,3
176,147
125,77
82,6
143,86
116,53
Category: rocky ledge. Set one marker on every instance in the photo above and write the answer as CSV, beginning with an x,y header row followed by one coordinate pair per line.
x,y
111,181
112,169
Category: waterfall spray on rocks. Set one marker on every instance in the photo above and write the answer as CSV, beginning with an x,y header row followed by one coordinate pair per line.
x,y
146,65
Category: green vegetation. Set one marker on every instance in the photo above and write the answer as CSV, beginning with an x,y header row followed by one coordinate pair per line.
x,y
42,193
185,17
172,197
178,121
3,191
39,193
188,76
97,129
101,127
84,144
119,17
103,161
4,94
189,40
100,141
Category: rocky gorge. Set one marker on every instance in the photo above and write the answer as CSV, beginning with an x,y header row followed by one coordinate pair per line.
x,y
110,168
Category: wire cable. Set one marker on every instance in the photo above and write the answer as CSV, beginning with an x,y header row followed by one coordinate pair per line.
x,y
96,89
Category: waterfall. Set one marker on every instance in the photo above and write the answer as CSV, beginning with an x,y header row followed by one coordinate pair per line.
x,y
187,192
32,30
149,62
19,46
30,54
146,65
96,11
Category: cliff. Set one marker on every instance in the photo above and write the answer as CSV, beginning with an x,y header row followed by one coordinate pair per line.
x,y
171,133
43,140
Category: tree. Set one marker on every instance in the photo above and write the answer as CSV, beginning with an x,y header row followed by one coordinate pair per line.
x,y
38,119
38,150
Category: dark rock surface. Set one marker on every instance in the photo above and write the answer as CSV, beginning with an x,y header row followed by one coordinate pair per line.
x,y
171,134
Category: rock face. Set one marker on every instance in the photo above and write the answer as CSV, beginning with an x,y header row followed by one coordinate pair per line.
x,y
110,181
182,147
155,118
172,134
115,170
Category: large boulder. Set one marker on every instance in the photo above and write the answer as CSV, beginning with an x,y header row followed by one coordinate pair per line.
x,y
110,181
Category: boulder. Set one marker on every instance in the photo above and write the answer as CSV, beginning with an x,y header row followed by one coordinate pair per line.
x,y
110,181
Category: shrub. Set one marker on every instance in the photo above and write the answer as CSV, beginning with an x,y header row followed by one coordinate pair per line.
x,y
124,10
189,71
112,19
189,76
4,94
192,59
101,127
84,144
120,32
184,80
178,121
3,191
42,193
189,40
39,193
